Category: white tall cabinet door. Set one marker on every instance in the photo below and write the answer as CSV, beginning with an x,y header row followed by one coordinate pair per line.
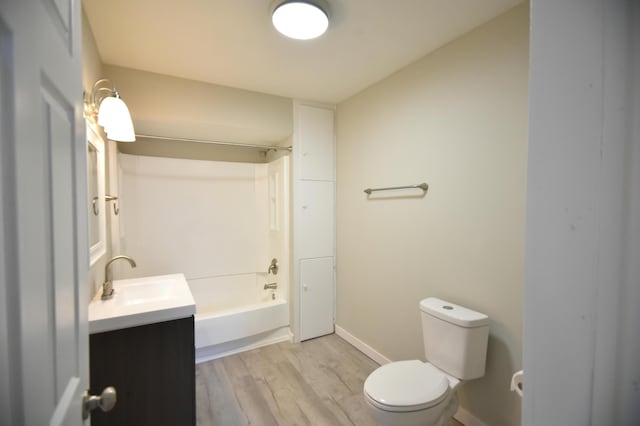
x,y
316,152
44,215
317,297
317,221
314,226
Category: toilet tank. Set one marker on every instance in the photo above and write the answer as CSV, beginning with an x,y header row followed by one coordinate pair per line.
x,y
455,338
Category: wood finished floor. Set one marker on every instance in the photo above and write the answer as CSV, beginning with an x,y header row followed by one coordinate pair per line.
x,y
317,382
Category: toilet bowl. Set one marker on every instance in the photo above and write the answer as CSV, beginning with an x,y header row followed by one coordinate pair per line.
x,y
417,393
408,393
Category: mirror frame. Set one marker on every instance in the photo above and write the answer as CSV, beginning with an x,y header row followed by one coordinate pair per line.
x,y
99,249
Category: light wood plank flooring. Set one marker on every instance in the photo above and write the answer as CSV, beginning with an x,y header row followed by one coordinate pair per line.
x,y
317,382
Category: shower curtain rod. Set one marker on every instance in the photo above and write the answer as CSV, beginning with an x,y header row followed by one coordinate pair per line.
x,y
241,145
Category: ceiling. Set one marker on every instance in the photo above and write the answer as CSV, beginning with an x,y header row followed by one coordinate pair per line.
x,y
232,42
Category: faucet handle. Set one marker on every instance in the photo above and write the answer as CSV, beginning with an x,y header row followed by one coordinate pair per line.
x,y
107,290
273,267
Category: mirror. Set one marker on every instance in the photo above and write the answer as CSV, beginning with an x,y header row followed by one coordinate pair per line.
x,y
95,195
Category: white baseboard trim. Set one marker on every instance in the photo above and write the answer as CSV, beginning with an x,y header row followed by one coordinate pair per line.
x,y
362,346
467,419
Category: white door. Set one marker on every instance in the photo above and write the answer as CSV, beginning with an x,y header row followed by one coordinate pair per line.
x,y
582,290
316,214
316,151
314,221
44,245
317,297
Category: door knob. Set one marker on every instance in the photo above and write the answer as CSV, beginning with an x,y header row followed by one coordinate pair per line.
x,y
105,401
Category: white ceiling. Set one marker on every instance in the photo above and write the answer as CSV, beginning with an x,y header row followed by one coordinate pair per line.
x,y
232,42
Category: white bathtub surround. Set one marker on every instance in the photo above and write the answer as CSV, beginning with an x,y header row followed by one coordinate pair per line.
x,y
201,218
228,292
220,224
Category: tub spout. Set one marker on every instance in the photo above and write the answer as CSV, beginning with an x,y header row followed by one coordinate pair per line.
x,y
271,286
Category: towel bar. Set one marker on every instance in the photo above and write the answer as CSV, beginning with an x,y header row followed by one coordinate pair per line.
x,y
422,186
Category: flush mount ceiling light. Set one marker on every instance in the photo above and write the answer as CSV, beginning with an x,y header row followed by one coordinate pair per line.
x,y
302,19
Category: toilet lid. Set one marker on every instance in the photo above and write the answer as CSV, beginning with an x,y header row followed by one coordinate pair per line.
x,y
406,386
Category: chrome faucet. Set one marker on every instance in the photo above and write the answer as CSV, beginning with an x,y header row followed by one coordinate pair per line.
x,y
107,286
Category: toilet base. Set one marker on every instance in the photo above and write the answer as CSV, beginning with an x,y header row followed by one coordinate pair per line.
x,y
433,416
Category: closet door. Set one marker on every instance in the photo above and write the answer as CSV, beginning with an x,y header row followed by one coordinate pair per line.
x,y
317,219
317,297
314,221
316,151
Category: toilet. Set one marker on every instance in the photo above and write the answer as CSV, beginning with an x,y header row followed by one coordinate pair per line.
x,y
408,393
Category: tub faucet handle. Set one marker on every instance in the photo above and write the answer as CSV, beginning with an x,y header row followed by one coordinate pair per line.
x,y
273,267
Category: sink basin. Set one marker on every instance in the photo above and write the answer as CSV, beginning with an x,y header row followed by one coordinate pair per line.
x,y
136,294
141,301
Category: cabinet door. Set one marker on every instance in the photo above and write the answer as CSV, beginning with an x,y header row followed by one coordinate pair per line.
x,y
317,297
317,228
316,157
152,368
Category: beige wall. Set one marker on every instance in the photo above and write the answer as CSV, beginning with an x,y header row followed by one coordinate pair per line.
x,y
169,106
91,63
161,105
456,119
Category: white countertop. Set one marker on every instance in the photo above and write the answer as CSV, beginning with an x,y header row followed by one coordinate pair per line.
x,y
141,301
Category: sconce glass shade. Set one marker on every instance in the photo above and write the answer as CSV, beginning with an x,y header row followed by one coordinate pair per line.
x,y
120,127
114,116
104,107
106,111
301,20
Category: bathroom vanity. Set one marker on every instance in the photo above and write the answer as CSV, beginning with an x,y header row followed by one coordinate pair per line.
x,y
142,343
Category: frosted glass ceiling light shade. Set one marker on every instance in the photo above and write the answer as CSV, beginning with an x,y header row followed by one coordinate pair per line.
x,y
105,107
301,20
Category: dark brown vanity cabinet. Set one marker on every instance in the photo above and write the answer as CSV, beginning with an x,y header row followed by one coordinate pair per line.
x,y
152,368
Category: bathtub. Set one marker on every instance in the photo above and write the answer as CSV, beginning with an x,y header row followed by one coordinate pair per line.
x,y
234,313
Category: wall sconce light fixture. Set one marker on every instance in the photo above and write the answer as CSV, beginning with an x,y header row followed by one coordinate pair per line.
x,y
104,106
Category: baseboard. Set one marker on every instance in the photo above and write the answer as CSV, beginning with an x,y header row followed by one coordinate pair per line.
x,y
467,419
362,346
